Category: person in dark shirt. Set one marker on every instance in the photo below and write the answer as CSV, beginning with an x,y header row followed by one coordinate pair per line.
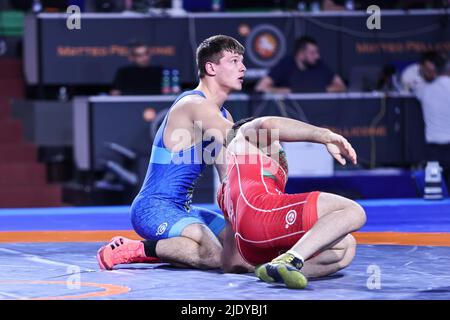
x,y
138,78
302,72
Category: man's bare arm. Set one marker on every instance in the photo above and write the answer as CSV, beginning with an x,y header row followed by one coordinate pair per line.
x,y
215,125
337,85
211,120
220,162
115,92
290,130
266,84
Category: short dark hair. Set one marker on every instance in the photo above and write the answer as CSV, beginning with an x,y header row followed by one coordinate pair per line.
x,y
435,58
232,133
211,50
302,42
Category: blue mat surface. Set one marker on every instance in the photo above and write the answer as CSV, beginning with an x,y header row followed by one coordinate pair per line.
x,y
405,272
402,215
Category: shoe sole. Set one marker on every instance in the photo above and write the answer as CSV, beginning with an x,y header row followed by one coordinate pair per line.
x,y
261,273
293,279
101,262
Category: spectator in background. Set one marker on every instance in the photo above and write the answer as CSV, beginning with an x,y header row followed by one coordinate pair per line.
x,y
138,78
416,75
386,78
302,72
411,78
432,65
434,96
333,5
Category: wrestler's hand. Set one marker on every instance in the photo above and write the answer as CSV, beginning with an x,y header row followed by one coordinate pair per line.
x,y
340,148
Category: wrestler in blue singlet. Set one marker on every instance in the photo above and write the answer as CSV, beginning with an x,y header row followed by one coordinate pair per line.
x,y
162,208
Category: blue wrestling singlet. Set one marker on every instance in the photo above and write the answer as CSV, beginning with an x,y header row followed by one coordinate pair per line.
x,y
162,208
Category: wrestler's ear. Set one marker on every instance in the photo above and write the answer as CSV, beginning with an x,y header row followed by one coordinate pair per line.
x,y
210,68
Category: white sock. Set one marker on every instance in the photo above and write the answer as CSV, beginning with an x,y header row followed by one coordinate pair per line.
x,y
297,255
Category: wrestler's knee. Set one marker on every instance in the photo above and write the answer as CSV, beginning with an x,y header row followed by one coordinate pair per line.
x,y
209,251
358,215
199,233
340,249
352,212
349,242
349,252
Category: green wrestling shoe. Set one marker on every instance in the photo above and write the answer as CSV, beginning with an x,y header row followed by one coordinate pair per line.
x,y
283,269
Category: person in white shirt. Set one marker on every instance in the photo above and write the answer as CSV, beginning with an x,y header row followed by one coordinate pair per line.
x,y
411,78
434,96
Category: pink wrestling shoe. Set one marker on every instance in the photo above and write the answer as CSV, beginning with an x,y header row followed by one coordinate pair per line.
x,y
121,250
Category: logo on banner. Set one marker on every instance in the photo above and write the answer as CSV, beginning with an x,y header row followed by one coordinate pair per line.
x,y
291,216
265,45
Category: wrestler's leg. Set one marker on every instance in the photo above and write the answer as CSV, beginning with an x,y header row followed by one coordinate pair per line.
x,y
184,239
199,242
336,217
331,260
232,261
197,247
326,220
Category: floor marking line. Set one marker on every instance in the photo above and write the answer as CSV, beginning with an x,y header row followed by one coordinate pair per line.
x,y
13,266
412,249
35,258
109,289
11,295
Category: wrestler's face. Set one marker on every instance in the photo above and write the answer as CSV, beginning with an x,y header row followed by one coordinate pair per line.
x,y
230,71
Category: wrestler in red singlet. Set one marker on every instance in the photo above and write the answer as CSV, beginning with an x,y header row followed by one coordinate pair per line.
x,y
266,221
